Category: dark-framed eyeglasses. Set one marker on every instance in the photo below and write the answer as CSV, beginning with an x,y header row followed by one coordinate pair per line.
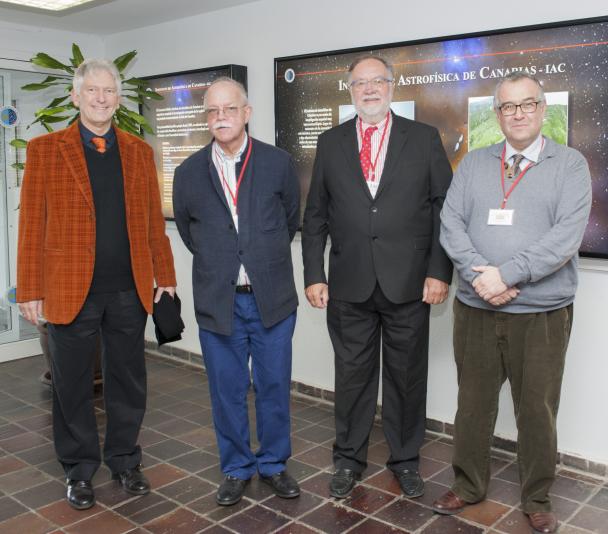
x,y
376,83
509,108
229,111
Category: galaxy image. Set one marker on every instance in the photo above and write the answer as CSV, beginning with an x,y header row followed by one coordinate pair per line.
x,y
440,76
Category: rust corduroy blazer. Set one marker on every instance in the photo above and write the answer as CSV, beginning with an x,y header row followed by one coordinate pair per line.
x,y
56,249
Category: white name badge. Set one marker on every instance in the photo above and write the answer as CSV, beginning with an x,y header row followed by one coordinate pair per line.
x,y
500,217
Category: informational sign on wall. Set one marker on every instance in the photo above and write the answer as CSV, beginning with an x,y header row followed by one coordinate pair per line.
x,y
449,82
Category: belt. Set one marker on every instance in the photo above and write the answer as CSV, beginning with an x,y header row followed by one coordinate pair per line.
x,y
244,289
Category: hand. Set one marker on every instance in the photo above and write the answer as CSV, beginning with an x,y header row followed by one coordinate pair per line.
x,y
317,295
31,310
160,290
489,283
434,291
505,297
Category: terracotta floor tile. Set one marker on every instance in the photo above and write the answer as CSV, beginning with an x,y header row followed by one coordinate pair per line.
x,y
154,418
386,481
485,512
450,525
378,453
563,508
315,414
23,441
8,464
10,508
318,456
38,455
29,523
163,474
572,489
153,512
184,408
23,479
105,523
181,521
176,427
111,493
10,431
317,434
199,437
203,417
38,422
318,485
373,526
600,499
438,451
148,437
429,467
332,518
510,473
504,492
299,445
41,495
294,528
445,476
208,507
293,507
300,470
367,500
195,461
62,514
187,489
170,448
593,519
405,514
256,520
515,522
432,492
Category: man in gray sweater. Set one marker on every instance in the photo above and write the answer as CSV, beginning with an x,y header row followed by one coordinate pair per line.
x,y
512,223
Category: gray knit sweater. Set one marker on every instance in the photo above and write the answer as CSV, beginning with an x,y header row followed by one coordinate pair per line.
x,y
538,253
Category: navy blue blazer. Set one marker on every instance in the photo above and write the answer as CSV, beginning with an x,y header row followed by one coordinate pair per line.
x,y
268,207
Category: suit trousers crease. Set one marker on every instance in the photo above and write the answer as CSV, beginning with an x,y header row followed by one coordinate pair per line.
x,y
357,332
529,350
226,361
122,319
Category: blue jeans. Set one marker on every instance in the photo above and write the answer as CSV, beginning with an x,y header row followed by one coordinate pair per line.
x,y
226,360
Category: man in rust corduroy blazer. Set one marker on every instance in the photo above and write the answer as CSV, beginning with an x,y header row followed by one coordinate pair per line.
x,y
92,244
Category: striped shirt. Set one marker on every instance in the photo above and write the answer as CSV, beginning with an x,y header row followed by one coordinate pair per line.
x,y
226,168
378,152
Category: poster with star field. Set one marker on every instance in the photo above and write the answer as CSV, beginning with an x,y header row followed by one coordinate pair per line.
x,y
449,82
179,121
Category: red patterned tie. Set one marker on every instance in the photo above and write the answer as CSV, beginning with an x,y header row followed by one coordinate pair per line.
x,y
366,152
100,144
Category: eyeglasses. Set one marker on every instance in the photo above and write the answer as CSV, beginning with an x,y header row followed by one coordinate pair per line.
x,y
509,108
229,111
376,83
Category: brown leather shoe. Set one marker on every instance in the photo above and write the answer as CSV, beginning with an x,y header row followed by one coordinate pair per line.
x,y
542,522
449,504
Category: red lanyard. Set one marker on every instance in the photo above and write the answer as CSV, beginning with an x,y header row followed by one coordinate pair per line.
x,y
507,194
235,196
373,165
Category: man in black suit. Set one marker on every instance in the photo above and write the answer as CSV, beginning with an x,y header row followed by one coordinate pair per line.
x,y
236,206
377,189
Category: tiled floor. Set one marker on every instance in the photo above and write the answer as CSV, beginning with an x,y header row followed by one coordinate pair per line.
x,y
182,464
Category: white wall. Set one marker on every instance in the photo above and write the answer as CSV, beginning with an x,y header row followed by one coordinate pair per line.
x,y
253,35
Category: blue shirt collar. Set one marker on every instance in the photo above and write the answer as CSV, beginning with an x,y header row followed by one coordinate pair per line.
x,y
86,135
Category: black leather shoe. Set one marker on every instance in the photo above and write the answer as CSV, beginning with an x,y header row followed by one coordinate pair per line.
x,y
230,490
411,483
80,494
342,483
133,481
283,485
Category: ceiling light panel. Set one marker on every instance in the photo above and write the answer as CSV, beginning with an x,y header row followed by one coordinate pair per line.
x,y
48,5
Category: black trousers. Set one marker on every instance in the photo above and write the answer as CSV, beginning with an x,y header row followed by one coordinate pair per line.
x,y
122,319
357,331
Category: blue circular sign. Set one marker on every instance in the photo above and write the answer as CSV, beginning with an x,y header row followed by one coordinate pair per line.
x,y
9,117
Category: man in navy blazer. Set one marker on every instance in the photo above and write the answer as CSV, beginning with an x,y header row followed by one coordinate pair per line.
x,y
236,205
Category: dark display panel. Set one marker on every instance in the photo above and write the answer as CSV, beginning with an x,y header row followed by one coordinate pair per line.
x,y
179,121
449,82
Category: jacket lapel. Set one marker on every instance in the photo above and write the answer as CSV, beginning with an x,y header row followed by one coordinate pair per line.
x,y
129,161
72,152
350,146
215,177
396,144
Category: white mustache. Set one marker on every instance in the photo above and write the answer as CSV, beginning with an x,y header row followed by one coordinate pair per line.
x,y
222,124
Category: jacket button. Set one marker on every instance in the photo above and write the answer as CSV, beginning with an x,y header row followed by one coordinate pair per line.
x,y
230,227
240,252
232,282
375,238
374,209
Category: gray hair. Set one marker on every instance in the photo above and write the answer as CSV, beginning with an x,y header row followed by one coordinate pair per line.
x,y
515,77
89,66
226,79
360,59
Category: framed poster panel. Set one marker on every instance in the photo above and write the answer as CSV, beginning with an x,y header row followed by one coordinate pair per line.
x,y
449,82
179,121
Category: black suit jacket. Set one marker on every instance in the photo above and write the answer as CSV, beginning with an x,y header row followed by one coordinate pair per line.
x,y
268,205
392,239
